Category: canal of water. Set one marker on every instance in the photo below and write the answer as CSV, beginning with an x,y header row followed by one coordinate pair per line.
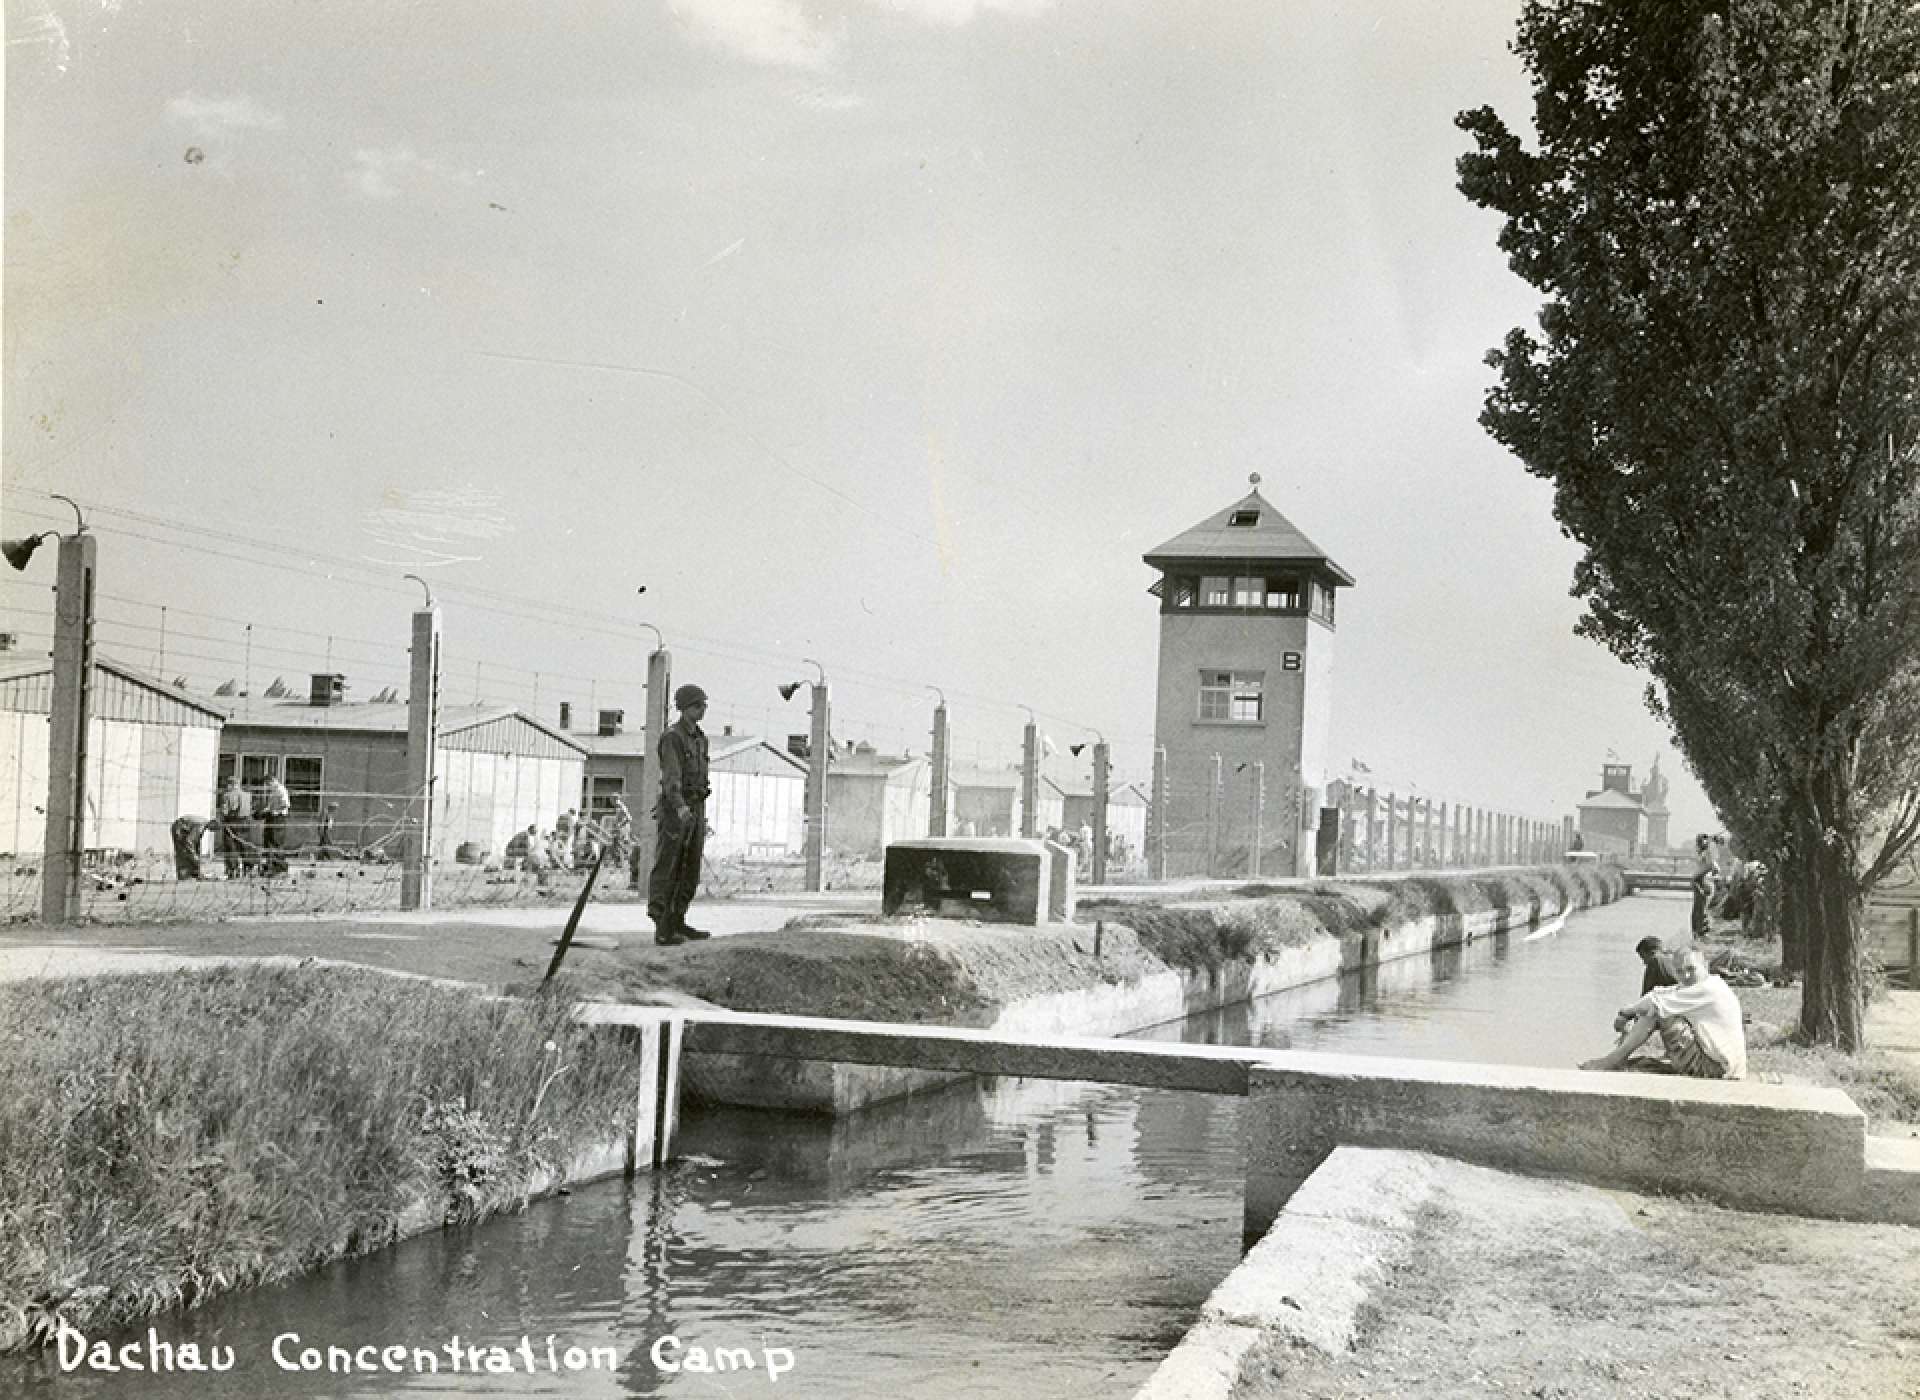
x,y
1010,1238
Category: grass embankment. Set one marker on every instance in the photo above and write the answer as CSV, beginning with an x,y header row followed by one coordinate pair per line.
x,y
1261,919
957,973
167,1137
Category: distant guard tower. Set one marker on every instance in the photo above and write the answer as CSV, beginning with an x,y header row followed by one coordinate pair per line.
x,y
1246,672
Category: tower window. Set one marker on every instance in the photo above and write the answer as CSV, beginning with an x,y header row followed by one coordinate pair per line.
x,y
1216,592
1183,590
1283,594
1244,518
1232,697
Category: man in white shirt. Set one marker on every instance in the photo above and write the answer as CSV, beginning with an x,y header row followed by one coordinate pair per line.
x,y
1700,1024
275,803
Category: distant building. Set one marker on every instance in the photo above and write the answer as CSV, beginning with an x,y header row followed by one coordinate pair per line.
x,y
1245,689
875,798
498,770
758,806
151,751
1616,819
1126,810
986,800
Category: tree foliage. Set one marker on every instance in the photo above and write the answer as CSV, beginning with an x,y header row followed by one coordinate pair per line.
x,y
1722,210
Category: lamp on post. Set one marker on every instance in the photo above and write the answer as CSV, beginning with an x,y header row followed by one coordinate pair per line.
x,y
68,713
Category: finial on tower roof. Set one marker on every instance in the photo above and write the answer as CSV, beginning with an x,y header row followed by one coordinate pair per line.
x,y
1253,478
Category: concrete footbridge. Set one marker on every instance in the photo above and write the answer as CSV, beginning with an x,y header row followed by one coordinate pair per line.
x,y
1788,1148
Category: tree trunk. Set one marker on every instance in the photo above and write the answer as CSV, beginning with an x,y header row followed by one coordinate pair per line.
x,y
1833,994
1787,878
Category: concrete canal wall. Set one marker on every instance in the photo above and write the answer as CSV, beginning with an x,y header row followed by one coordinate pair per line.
x,y
1123,1007
1789,1148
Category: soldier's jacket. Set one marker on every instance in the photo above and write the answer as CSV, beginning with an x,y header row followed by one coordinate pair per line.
x,y
683,768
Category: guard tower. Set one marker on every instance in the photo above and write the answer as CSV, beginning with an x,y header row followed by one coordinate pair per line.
x,y
1245,695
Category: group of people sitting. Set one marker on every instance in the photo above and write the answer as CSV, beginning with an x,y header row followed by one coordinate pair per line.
x,y
573,843
1691,1008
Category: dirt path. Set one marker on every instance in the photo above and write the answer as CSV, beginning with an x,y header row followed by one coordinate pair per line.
x,y
1547,1289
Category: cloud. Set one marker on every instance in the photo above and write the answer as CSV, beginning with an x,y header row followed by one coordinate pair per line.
x,y
954,13
382,173
215,118
777,33
823,99
783,34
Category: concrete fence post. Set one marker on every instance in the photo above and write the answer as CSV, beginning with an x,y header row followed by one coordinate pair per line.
x,y
1102,785
1030,780
942,760
819,754
646,811
69,713
1259,805
1157,819
423,743
1216,792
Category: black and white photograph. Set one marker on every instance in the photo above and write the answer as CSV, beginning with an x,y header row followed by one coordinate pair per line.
x,y
960,699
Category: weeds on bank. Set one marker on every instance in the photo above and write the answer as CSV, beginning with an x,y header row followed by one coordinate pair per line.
x,y
1208,935
165,1137
1886,1088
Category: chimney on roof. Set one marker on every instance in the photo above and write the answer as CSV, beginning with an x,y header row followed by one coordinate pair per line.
x,y
566,714
726,730
797,745
329,688
610,722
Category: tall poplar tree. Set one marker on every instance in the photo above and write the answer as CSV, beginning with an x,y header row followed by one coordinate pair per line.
x,y
1721,207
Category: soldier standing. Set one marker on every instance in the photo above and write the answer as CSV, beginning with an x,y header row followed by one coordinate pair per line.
x,y
682,820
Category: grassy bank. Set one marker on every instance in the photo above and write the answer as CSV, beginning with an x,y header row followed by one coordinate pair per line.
x,y
943,971
171,1136
1259,919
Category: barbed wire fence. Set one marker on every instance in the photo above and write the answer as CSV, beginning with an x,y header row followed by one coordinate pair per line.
x,y
1238,824
138,786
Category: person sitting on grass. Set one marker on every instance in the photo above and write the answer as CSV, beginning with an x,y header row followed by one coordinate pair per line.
x,y
1699,1021
1658,964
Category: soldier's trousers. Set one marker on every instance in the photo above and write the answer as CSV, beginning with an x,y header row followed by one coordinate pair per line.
x,y
676,865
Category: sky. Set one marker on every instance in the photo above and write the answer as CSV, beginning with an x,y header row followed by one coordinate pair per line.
x,y
882,334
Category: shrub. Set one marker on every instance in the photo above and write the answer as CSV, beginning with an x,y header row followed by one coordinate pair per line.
x,y
165,1137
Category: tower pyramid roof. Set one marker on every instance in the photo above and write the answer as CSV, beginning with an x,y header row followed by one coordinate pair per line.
x,y
1263,536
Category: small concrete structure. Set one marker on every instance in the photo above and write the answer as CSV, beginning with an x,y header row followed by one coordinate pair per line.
x,y
1751,1146
1006,880
1063,883
1306,1281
